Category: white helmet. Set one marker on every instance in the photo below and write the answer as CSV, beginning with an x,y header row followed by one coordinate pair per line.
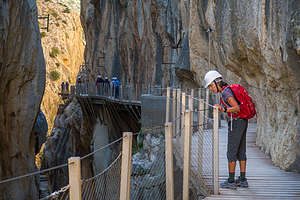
x,y
210,77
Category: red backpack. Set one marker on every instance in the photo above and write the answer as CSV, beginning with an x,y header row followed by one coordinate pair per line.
x,y
247,107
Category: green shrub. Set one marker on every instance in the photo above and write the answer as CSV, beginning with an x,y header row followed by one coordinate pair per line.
x,y
64,21
54,52
43,34
57,24
54,75
67,36
67,10
54,14
57,64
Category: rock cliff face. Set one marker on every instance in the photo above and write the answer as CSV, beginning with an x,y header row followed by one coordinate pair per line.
x,y
63,50
141,42
255,43
22,73
62,143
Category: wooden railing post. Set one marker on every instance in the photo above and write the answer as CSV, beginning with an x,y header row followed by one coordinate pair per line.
x,y
121,91
183,120
206,108
174,111
187,154
178,116
191,101
126,166
200,136
136,92
169,161
168,105
74,178
216,151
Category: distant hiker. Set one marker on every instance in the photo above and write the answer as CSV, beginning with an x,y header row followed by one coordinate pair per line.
x,y
62,87
79,84
238,113
116,85
99,84
106,86
67,87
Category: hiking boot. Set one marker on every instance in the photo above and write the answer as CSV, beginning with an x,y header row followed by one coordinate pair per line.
x,y
227,184
241,183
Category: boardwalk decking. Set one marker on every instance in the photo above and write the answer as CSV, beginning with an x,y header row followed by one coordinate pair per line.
x,y
265,180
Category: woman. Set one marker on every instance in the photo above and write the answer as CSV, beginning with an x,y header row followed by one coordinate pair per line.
x,y
237,128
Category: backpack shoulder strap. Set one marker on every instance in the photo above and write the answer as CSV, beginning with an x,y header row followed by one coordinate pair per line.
x,y
235,96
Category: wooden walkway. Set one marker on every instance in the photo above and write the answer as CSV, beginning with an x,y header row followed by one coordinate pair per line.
x,y
265,180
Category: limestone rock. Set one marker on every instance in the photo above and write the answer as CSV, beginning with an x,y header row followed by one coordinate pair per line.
x,y
40,131
62,143
22,72
255,43
63,49
141,42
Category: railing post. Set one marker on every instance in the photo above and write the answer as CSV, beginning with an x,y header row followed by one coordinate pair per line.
x,y
174,110
168,105
178,116
136,92
169,161
216,151
187,154
200,136
206,108
183,120
126,166
74,178
191,101
121,92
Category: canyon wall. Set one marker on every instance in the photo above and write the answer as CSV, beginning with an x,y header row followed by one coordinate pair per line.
x,y
22,73
255,43
63,48
140,42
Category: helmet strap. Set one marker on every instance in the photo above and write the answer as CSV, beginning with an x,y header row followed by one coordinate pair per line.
x,y
216,86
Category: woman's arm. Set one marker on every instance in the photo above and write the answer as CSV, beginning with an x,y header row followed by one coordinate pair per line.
x,y
235,106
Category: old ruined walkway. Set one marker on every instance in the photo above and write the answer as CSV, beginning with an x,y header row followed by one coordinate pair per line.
x,y
265,180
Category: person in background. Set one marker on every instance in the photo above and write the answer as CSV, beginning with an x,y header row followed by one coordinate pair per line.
x,y
67,87
106,85
63,87
99,84
237,128
78,84
116,85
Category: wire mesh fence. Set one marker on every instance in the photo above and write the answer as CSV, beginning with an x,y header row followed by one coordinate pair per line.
x,y
105,185
148,162
148,166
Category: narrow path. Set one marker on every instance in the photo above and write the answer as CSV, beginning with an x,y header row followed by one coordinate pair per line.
x,y
265,180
